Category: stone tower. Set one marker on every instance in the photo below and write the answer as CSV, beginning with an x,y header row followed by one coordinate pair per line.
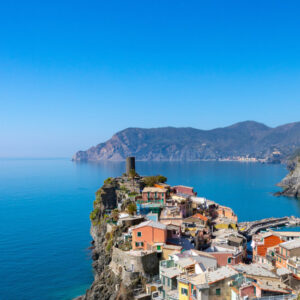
x,y
130,164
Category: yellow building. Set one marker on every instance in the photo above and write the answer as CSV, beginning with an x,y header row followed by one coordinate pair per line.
x,y
183,289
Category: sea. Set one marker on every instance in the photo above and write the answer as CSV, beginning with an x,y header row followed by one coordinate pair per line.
x,y
45,206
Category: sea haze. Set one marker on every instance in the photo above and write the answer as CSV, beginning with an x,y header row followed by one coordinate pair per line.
x,y
45,206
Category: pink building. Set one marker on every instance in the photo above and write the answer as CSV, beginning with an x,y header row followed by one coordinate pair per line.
x,y
154,195
181,189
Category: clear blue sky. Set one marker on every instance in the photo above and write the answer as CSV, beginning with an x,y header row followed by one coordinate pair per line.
x,y
72,73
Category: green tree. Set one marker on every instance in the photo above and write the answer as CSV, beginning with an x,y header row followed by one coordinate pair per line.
x,y
161,179
152,180
115,215
131,208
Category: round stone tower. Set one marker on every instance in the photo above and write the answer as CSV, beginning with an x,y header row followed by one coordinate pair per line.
x,y
130,164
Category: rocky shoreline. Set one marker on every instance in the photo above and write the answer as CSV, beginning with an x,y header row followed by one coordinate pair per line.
x,y
108,283
113,276
291,183
244,141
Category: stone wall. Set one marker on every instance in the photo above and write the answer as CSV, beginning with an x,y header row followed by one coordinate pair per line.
x,y
145,264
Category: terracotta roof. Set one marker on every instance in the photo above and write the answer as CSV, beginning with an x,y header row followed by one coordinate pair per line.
x,y
200,217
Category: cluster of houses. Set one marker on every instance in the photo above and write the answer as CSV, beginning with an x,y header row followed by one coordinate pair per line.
x,y
200,252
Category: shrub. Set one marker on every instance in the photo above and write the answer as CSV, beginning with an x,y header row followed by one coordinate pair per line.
x,y
131,208
108,180
108,236
151,180
115,215
109,245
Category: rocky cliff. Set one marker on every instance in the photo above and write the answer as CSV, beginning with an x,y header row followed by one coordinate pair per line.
x,y
110,284
291,183
189,144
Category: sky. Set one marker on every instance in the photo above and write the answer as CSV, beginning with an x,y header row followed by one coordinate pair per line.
x,y
73,73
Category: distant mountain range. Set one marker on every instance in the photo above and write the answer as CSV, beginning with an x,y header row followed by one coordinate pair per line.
x,y
241,141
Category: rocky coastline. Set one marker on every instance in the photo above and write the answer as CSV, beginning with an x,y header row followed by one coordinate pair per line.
x,y
110,283
291,183
120,272
245,141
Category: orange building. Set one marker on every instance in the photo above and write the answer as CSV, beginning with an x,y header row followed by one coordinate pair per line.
x,y
261,243
149,235
226,212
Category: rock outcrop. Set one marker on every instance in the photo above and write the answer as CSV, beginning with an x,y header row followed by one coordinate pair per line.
x,y
111,283
246,139
291,183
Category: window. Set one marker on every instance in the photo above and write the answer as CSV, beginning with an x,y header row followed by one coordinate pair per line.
x,y
169,282
158,248
218,292
184,291
229,260
139,234
164,280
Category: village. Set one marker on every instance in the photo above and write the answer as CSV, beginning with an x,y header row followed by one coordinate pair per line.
x,y
186,247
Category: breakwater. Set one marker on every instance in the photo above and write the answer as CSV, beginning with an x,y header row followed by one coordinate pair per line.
x,y
250,228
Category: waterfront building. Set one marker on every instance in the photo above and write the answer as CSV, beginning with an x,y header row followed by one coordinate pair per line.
x,y
261,243
226,212
226,254
293,265
184,203
286,235
207,286
256,271
181,189
171,215
206,260
246,288
154,195
285,251
149,235
168,273
173,231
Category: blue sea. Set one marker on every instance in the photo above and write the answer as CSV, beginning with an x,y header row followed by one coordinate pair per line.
x,y
45,206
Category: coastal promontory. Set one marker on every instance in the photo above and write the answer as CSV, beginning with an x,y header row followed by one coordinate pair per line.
x,y
245,141
291,183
